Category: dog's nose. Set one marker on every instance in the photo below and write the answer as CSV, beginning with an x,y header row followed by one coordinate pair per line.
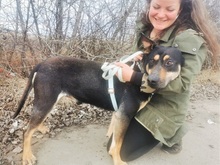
x,y
153,81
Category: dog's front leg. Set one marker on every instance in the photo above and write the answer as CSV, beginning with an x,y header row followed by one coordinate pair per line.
x,y
111,126
121,123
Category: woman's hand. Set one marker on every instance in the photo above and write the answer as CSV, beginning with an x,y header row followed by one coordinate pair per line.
x,y
127,71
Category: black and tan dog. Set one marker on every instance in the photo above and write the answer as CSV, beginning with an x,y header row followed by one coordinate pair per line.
x,y
83,80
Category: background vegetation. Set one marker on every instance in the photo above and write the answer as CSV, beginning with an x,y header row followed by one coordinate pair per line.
x,y
33,30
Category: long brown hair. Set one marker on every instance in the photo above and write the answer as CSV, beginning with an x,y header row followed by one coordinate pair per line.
x,y
209,29
194,15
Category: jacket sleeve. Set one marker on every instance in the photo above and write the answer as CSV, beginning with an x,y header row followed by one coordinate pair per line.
x,y
194,50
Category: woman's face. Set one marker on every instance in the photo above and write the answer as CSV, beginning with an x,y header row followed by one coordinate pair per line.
x,y
163,13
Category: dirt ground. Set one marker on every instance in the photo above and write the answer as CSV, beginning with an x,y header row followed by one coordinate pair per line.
x,y
78,137
86,145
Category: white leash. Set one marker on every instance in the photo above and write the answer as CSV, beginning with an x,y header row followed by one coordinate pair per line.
x,y
109,70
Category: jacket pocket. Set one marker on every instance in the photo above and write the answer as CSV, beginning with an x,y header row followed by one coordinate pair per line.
x,y
168,128
157,123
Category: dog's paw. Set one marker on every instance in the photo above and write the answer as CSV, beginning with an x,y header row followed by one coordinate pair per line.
x,y
43,129
29,159
120,163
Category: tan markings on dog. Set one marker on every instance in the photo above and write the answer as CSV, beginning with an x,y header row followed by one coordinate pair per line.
x,y
166,77
166,57
143,104
147,69
28,157
156,57
117,138
172,75
43,129
111,126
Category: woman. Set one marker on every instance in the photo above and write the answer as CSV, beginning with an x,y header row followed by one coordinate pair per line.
x,y
183,24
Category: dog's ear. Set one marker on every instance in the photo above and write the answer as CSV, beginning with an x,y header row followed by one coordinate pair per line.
x,y
178,53
145,58
156,48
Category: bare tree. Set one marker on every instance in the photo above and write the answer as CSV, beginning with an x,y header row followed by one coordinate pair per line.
x,y
24,33
59,25
123,18
36,23
90,28
76,26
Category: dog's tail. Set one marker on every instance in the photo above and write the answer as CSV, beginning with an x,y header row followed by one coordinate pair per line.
x,y
26,91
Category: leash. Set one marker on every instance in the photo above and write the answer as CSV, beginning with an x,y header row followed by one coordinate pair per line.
x,y
110,69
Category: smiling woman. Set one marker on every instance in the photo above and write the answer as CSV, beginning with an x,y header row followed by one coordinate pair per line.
x,y
162,14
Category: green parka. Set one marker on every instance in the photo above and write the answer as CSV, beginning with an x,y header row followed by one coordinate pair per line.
x,y
164,116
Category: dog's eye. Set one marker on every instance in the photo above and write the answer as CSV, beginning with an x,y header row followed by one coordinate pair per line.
x,y
169,63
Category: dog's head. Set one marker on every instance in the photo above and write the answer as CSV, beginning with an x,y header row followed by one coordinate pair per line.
x,y
162,65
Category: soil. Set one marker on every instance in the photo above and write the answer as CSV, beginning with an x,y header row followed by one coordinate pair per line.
x,y
77,132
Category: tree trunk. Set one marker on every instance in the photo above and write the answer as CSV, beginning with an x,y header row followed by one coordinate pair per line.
x,y
123,19
78,18
36,23
24,36
59,26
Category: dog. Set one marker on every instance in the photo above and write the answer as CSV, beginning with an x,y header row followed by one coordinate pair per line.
x,y
82,79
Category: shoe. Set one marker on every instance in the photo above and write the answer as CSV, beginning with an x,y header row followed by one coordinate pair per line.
x,y
175,149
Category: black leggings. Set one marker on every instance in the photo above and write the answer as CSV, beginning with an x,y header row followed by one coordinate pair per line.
x,y
137,141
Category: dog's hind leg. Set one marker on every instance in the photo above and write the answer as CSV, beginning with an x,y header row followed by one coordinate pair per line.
x,y
28,158
43,103
42,128
36,123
